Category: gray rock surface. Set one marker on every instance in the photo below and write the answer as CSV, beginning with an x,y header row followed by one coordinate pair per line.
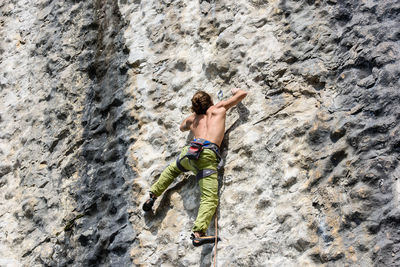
x,y
92,94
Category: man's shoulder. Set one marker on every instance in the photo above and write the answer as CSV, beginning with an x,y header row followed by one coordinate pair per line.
x,y
217,108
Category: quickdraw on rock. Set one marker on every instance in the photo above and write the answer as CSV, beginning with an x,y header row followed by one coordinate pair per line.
x,y
220,95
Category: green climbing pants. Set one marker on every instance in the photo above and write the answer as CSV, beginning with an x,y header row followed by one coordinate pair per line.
x,y
208,185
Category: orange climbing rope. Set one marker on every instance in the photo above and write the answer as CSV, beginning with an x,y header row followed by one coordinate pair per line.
x,y
216,240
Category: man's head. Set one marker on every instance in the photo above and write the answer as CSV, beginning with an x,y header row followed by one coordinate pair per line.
x,y
201,101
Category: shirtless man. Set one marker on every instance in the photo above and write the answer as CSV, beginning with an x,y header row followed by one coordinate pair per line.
x,y
208,126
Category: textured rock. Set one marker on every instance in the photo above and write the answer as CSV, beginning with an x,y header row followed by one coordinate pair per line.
x,y
92,93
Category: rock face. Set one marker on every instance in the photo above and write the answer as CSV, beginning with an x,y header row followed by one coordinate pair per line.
x,y
92,94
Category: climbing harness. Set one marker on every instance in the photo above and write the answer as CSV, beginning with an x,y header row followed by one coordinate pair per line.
x,y
193,153
194,150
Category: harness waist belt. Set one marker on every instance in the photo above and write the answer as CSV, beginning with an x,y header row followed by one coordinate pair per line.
x,y
210,145
206,143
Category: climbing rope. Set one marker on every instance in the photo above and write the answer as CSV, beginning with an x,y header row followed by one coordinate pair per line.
x,y
216,238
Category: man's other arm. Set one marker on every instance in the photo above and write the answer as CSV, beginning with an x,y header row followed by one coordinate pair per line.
x,y
238,95
185,125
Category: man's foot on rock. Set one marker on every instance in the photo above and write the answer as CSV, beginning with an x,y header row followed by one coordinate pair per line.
x,y
201,239
149,203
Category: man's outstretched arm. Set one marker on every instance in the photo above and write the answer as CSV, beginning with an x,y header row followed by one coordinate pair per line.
x,y
238,95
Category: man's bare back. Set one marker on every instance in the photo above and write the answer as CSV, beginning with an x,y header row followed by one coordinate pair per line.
x,y
211,126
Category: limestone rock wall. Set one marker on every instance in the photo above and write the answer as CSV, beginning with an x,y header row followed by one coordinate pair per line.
x,y
92,94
